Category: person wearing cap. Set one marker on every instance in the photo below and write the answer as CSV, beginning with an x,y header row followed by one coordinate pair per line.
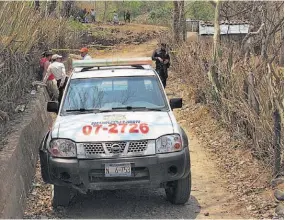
x,y
84,54
57,68
162,61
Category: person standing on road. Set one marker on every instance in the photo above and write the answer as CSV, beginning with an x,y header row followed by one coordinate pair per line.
x,y
58,70
162,61
93,15
115,18
128,16
84,54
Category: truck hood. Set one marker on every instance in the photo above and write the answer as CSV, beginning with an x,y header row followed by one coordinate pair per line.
x,y
138,126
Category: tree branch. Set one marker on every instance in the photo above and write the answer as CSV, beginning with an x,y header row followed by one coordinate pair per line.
x,y
278,25
250,34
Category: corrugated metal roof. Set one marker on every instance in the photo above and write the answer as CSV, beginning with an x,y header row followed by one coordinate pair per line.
x,y
225,28
193,20
231,22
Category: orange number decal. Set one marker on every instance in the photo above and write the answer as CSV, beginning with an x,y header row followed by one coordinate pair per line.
x,y
123,127
87,129
144,128
113,129
133,128
97,128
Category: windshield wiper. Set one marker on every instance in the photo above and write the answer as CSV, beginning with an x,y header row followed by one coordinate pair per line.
x,y
95,110
80,110
136,108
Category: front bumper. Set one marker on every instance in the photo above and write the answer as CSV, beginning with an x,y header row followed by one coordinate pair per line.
x,y
147,172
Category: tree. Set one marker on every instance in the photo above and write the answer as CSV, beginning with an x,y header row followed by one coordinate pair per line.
x,y
52,6
213,73
37,5
105,10
179,22
67,7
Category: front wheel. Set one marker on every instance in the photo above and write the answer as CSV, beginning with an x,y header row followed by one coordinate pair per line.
x,y
178,191
61,195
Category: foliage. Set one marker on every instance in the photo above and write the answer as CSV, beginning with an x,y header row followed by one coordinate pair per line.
x,y
76,25
200,10
156,11
160,16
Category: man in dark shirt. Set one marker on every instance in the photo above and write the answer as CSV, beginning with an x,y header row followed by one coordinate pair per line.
x,y
128,16
162,61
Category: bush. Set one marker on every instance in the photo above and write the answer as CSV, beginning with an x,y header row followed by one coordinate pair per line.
x,y
248,95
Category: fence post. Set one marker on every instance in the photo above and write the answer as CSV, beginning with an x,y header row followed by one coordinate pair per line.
x,y
277,145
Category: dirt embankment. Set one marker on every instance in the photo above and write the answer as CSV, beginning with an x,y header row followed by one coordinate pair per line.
x,y
111,35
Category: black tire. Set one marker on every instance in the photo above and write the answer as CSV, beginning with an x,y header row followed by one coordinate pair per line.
x,y
61,196
179,191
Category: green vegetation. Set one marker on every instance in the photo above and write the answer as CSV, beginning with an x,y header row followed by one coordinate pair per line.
x,y
76,25
200,10
162,14
154,12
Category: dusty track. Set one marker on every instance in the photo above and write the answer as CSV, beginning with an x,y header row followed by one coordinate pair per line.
x,y
209,197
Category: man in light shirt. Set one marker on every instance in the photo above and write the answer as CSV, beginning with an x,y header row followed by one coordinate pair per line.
x,y
84,54
57,68
93,15
51,82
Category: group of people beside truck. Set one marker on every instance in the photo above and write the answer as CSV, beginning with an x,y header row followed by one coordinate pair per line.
x,y
53,73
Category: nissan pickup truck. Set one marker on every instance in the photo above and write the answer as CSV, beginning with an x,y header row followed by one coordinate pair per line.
x,y
115,129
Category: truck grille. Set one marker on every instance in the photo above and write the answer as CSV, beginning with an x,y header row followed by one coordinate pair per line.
x,y
96,148
109,149
137,146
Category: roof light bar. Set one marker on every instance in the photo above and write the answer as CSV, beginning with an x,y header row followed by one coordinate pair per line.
x,y
137,61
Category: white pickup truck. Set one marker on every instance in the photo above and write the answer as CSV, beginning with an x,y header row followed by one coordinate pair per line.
x,y
115,129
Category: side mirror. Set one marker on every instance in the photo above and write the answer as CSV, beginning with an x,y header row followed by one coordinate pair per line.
x,y
52,107
176,103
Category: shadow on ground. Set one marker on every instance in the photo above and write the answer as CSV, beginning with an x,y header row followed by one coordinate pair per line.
x,y
128,204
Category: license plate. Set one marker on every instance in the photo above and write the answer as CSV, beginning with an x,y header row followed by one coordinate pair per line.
x,y
118,169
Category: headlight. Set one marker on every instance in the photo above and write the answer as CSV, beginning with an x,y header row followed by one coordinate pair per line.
x,y
62,148
168,143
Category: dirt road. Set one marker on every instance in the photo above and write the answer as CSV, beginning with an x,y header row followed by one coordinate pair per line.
x,y
209,197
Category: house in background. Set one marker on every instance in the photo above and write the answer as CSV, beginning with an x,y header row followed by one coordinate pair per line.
x,y
229,30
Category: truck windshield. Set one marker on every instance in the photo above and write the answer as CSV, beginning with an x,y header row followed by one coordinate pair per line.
x,y
114,94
